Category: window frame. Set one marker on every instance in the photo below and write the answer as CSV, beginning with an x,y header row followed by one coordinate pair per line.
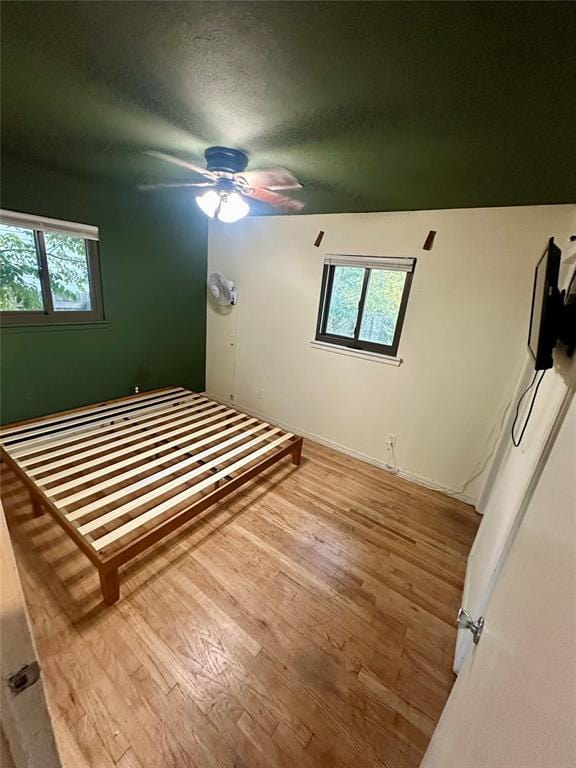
x,y
357,343
49,315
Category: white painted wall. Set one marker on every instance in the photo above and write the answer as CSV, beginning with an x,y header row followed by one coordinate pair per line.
x,y
463,344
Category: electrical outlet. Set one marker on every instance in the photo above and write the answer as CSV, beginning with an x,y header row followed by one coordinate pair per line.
x,y
260,394
391,441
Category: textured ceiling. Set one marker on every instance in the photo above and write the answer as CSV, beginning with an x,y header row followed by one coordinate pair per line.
x,y
375,106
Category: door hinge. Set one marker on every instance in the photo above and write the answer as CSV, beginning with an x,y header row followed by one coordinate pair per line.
x,y
24,678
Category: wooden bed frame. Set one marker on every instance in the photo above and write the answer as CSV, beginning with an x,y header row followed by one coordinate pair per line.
x,y
118,476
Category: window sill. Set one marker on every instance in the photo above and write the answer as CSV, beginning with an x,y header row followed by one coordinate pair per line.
x,y
93,325
374,356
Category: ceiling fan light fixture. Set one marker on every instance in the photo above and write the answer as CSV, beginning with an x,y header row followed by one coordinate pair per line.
x,y
223,205
232,208
229,184
209,202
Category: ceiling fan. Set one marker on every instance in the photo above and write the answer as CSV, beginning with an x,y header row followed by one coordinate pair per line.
x,y
228,183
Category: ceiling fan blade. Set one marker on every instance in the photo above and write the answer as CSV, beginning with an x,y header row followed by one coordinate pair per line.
x,y
150,187
272,178
282,202
181,163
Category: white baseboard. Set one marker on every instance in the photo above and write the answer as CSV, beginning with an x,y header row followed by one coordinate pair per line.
x,y
351,452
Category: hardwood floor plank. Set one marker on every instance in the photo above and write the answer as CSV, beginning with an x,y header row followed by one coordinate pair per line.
x,y
129,760
63,699
271,751
307,620
307,658
69,746
92,749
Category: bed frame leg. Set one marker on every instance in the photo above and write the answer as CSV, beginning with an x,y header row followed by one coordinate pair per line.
x,y
37,508
297,452
110,583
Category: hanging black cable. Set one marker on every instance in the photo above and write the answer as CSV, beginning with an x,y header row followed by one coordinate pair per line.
x,y
567,293
521,398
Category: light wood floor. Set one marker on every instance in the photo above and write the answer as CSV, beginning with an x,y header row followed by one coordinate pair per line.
x,y
308,622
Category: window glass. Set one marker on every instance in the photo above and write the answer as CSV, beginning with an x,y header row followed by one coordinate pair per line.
x,y
382,305
362,303
47,275
344,300
69,272
20,286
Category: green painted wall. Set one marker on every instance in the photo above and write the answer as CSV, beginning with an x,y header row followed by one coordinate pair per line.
x,y
153,261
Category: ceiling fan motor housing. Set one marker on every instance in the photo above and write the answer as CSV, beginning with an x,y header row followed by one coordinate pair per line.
x,y
224,159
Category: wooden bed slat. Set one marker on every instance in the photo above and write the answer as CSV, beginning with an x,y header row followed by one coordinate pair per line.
x,y
35,435
48,443
112,467
150,421
6,434
139,521
130,506
160,443
147,466
138,468
190,420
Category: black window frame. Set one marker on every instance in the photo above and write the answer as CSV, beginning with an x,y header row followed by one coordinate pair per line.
x,y
49,315
357,343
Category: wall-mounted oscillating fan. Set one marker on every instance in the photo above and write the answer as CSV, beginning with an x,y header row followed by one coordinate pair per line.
x,y
222,290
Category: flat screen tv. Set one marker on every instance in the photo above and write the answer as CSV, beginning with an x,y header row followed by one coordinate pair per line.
x,y
546,302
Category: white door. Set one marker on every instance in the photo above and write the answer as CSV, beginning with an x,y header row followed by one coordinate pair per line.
x,y
512,478
514,702
508,491
24,716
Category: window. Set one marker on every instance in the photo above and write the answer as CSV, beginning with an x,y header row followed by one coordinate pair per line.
x,y
363,302
49,270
